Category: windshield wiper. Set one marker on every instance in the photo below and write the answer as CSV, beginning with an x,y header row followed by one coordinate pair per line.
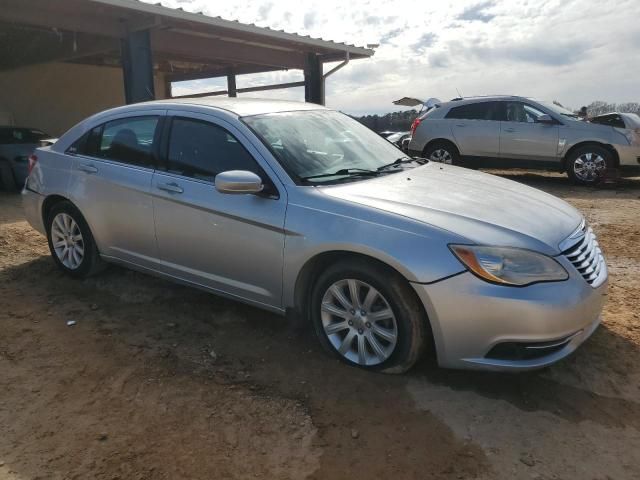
x,y
344,172
400,161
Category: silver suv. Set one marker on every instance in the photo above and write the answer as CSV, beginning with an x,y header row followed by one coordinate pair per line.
x,y
510,131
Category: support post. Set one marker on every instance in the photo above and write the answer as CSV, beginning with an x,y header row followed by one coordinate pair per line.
x,y
231,84
137,67
313,79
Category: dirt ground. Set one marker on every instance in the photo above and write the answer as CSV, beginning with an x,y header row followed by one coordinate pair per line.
x,y
158,381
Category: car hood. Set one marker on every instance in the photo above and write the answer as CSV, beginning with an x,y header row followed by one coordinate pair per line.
x,y
483,208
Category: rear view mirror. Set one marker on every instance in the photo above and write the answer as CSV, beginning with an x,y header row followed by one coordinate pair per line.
x,y
545,119
238,182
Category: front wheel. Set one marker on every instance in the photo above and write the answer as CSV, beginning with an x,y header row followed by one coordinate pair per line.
x,y
588,165
368,316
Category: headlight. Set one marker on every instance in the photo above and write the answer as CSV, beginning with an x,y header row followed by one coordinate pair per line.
x,y
509,266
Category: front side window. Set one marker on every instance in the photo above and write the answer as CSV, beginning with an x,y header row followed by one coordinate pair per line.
x,y
475,111
201,150
127,140
521,112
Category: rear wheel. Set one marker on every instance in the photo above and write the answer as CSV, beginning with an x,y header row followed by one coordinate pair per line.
x,y
588,165
442,152
368,316
71,242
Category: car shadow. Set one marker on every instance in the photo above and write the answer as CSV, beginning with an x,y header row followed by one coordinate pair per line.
x,y
264,349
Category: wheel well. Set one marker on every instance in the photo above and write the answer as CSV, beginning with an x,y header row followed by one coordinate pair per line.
x,y
609,148
48,204
440,140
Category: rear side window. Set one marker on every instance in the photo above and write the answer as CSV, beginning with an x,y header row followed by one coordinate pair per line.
x,y
201,150
475,111
18,136
127,140
611,120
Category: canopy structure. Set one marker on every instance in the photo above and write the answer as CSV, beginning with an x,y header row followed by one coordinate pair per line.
x,y
150,41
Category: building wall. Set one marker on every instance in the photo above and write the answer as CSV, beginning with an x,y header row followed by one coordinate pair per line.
x,y
55,96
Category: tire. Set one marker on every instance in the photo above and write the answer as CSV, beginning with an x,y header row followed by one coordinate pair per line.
x,y
588,165
8,178
442,152
67,229
334,323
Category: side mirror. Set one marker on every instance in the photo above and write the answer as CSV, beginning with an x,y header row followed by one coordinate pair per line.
x,y
238,182
545,119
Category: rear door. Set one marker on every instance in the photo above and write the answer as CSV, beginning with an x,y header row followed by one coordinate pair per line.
x,y
522,137
476,129
230,243
112,171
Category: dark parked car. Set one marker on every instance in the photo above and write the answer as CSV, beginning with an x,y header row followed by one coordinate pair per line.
x,y
16,144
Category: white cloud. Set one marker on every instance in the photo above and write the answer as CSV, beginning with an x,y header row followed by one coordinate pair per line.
x,y
572,51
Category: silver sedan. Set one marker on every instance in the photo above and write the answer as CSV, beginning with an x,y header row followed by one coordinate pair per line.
x,y
301,210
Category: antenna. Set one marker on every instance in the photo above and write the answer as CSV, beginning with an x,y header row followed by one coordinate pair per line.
x,y
458,92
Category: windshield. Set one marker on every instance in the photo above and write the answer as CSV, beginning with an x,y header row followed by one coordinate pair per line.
x,y
559,110
13,136
316,143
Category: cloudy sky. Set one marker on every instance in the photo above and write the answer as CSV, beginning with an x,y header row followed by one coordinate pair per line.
x,y
573,51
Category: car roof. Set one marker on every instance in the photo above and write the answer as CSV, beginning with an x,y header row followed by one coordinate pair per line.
x,y
239,106
484,98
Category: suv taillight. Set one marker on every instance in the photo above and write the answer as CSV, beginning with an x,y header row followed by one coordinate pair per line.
x,y
414,125
33,159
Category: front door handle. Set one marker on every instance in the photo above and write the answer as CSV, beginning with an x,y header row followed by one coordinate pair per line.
x,y
460,125
170,187
510,130
87,168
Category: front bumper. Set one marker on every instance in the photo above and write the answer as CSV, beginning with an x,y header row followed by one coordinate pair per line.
x,y
629,155
470,318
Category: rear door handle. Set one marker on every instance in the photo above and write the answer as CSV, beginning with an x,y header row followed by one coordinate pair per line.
x,y
87,168
510,130
460,125
170,187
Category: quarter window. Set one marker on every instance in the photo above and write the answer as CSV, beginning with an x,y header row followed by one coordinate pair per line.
x,y
127,140
201,150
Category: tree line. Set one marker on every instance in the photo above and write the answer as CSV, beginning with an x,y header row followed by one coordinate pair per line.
x,y
401,121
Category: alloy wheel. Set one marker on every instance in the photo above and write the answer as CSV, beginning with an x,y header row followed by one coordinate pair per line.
x,y
359,322
441,155
67,240
588,167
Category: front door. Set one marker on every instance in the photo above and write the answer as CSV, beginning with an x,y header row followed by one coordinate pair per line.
x,y
522,137
230,243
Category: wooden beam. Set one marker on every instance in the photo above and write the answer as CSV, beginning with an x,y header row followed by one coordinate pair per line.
x,y
34,48
52,15
259,88
211,49
221,72
231,84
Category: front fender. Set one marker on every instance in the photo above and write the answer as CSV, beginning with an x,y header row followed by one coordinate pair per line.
x,y
420,257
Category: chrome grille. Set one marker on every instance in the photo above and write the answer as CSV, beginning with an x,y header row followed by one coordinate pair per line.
x,y
586,256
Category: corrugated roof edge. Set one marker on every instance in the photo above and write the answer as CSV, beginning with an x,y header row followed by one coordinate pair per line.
x,y
179,13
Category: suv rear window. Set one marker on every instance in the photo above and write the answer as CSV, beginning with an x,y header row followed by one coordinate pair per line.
x,y
611,120
14,136
475,111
